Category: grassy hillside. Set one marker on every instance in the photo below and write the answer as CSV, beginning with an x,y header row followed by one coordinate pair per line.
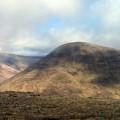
x,y
30,106
74,69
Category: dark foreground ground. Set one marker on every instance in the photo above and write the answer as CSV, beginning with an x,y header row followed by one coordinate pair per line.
x,y
29,106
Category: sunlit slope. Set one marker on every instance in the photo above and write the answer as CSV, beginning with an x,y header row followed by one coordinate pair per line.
x,y
11,65
73,69
6,72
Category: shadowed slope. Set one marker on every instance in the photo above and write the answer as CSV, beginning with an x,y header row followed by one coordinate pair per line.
x,y
73,69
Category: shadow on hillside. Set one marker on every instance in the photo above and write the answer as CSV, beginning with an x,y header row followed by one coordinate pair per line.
x,y
105,65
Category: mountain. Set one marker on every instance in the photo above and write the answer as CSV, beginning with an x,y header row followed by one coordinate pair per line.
x,y
17,61
73,69
11,64
6,72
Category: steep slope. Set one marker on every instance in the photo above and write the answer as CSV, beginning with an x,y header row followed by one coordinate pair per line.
x,y
6,72
73,69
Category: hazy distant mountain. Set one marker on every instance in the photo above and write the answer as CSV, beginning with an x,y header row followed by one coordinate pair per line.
x,y
17,61
11,64
73,69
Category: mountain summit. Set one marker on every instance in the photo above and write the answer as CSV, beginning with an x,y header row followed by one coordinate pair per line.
x,y
73,69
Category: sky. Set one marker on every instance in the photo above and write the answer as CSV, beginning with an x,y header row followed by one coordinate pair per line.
x,y
36,27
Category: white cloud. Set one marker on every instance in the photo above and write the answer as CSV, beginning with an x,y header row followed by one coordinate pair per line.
x,y
108,11
25,13
70,35
20,18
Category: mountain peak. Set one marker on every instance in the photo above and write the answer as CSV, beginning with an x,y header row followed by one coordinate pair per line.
x,y
80,48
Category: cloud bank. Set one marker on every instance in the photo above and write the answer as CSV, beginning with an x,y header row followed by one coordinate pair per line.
x,y
35,27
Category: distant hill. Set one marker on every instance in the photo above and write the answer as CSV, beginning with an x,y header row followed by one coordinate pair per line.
x,y
73,69
17,61
11,64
